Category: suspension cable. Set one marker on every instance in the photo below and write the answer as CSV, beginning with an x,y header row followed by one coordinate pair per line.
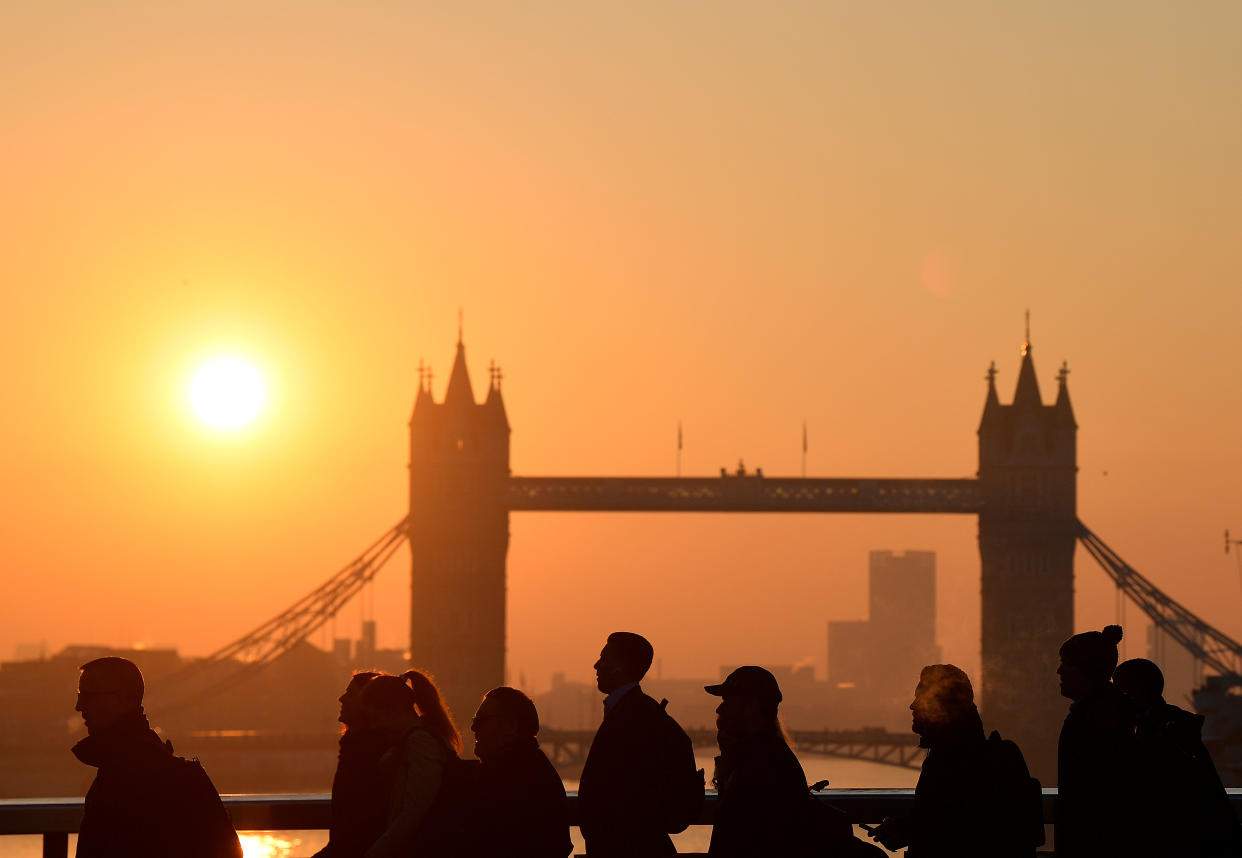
x,y
260,647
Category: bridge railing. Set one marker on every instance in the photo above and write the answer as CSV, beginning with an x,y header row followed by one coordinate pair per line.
x,y
56,818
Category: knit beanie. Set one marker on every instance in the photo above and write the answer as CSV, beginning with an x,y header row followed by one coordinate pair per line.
x,y
1094,653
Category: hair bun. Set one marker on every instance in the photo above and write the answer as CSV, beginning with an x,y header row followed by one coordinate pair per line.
x,y
1112,634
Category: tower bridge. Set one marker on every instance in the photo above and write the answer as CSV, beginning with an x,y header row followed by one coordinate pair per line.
x,y
461,494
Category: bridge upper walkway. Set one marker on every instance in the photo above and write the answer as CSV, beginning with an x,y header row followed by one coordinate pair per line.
x,y
741,493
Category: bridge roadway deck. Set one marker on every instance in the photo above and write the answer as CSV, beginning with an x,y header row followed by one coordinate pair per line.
x,y
747,493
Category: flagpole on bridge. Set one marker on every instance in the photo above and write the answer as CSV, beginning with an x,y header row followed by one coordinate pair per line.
x,y
804,449
678,448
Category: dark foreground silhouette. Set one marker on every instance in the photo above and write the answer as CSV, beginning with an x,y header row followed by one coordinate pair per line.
x,y
1184,805
765,807
419,764
1098,812
517,805
639,783
1135,778
974,797
359,794
145,802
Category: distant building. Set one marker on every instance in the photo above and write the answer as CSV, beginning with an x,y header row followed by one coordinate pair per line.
x,y
880,658
849,653
1183,673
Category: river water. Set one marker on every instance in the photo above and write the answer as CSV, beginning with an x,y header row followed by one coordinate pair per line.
x,y
302,844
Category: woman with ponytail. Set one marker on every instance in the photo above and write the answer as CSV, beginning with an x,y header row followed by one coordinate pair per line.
x,y
418,729
431,709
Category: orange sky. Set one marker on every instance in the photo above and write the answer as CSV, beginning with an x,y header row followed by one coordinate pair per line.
x,y
729,214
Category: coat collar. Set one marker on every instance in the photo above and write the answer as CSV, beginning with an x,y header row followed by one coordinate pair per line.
x,y
611,701
131,735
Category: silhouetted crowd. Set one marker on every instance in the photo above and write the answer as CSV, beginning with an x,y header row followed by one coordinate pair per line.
x,y
1133,774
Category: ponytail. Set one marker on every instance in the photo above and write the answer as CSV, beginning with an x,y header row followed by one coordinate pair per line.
x,y
430,707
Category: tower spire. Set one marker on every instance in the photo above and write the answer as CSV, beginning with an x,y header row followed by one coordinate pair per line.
x,y
1027,392
459,391
991,403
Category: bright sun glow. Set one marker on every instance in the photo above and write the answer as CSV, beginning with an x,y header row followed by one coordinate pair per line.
x,y
227,393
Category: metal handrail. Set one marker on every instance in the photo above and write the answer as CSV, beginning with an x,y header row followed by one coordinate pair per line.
x,y
57,818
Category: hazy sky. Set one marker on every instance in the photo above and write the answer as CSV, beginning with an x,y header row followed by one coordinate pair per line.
x,y
739,215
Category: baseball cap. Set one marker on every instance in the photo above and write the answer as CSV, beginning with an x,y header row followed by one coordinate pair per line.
x,y
749,680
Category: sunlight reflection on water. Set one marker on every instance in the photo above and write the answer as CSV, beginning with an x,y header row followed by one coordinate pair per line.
x,y
268,844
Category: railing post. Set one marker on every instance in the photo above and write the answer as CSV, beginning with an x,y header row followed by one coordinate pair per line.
x,y
55,844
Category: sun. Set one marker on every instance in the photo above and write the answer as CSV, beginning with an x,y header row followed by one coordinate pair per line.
x,y
227,393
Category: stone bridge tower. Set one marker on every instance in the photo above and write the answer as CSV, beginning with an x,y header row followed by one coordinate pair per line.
x,y
459,535
1027,534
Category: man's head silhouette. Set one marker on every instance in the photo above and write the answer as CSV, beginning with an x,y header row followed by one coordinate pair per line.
x,y
1087,661
1141,680
109,689
625,658
506,718
749,696
944,697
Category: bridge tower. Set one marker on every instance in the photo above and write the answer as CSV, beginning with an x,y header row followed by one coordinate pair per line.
x,y
459,536
1027,534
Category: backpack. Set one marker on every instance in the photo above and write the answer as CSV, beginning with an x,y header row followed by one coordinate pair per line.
x,y
208,829
446,826
1017,823
685,788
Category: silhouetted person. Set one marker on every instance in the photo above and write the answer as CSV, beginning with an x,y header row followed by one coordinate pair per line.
x,y
519,807
144,802
1185,807
421,739
1097,814
630,793
359,793
764,806
975,797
